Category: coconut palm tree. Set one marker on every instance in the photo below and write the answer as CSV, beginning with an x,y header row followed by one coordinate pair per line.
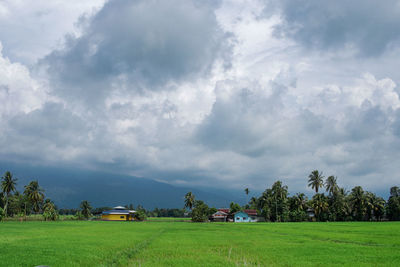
x,y
34,194
49,211
246,190
358,202
86,209
375,206
315,180
300,202
319,204
189,200
8,184
331,185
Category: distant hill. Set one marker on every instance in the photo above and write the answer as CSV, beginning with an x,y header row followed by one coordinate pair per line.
x,y
68,187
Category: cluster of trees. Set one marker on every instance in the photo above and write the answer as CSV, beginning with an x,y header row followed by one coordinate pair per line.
x,y
31,201
199,210
335,204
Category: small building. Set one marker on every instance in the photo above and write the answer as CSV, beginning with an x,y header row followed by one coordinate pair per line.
x,y
118,213
246,216
219,216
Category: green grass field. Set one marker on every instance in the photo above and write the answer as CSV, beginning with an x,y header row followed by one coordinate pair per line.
x,y
97,243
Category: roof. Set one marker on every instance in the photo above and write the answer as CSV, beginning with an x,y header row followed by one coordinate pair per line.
x,y
220,214
224,210
120,208
248,212
251,212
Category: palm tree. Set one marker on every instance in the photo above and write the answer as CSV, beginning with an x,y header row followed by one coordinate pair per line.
x,y
375,206
331,185
86,209
8,184
49,211
246,190
315,180
300,201
189,200
358,202
35,195
319,204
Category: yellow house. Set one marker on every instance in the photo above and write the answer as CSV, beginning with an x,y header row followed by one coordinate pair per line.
x,y
118,214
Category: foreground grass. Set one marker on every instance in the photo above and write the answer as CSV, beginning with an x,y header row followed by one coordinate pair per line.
x,y
74,243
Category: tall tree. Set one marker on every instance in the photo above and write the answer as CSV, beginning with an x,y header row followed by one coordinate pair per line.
x,y
189,200
86,209
375,206
331,185
200,211
8,184
393,204
35,195
338,206
358,203
298,207
273,203
315,180
246,191
320,205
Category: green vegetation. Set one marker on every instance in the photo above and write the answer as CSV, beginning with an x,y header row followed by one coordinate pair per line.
x,y
86,243
201,211
276,205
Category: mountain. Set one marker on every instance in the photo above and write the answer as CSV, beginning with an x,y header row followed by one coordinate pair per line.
x,y
67,187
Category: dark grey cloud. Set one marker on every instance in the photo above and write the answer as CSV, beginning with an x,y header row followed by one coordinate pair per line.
x,y
369,26
137,45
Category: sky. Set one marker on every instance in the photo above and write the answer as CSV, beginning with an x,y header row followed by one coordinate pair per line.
x,y
228,94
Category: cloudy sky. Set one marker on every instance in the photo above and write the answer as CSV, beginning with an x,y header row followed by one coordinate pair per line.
x,y
209,93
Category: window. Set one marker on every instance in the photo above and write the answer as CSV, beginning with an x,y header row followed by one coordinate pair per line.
x,y
122,217
237,218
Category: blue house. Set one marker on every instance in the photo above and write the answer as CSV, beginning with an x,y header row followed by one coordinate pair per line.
x,y
244,216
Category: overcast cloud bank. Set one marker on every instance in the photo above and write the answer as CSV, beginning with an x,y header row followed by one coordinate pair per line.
x,y
237,93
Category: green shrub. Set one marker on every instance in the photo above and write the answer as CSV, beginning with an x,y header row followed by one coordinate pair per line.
x,y
140,215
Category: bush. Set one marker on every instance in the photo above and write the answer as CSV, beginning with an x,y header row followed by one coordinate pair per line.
x,y
79,216
50,212
140,215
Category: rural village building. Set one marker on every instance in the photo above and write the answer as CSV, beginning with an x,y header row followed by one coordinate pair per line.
x,y
246,216
223,215
118,214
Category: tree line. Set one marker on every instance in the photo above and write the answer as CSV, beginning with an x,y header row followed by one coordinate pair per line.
x,y
329,203
33,201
